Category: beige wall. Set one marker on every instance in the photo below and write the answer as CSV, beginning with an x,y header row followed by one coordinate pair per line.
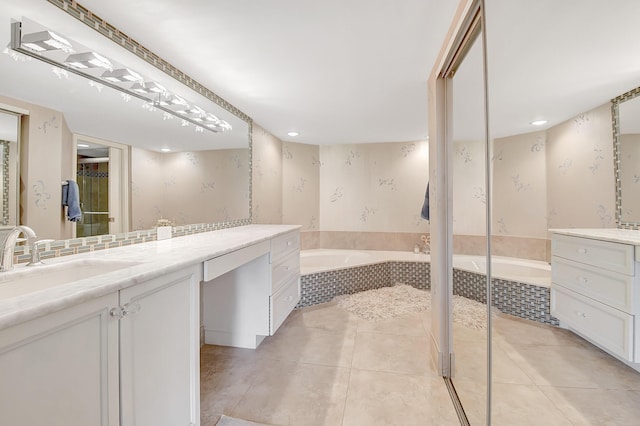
x,y
580,176
185,187
301,185
520,186
266,177
469,188
369,195
376,187
45,162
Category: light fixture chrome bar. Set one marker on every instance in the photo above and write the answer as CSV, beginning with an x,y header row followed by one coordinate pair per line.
x,y
16,44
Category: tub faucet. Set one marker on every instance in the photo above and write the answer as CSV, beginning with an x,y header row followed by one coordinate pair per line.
x,y
426,239
9,239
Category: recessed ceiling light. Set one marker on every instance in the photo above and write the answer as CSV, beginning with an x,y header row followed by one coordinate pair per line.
x,y
83,145
165,150
293,134
538,122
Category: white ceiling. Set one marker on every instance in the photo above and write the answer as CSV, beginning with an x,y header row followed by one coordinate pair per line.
x,y
356,71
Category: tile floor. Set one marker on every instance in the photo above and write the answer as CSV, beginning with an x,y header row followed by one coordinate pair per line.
x,y
326,366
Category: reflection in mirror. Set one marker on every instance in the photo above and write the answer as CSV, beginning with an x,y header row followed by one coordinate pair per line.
x,y
206,185
626,122
469,219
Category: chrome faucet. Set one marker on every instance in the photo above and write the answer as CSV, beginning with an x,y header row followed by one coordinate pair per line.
x,y
9,240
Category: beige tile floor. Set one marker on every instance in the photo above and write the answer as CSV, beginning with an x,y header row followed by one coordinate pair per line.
x,y
326,366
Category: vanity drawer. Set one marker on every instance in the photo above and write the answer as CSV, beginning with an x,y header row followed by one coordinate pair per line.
x,y
611,288
285,270
284,244
283,302
609,327
615,257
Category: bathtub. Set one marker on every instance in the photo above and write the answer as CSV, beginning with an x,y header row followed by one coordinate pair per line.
x,y
506,268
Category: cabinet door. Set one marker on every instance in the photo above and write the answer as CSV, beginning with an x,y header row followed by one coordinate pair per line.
x,y
62,369
159,351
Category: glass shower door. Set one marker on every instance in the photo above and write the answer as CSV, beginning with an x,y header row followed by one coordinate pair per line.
x,y
103,181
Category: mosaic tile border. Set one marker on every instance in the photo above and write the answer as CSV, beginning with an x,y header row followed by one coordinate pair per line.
x,y
519,299
73,246
5,181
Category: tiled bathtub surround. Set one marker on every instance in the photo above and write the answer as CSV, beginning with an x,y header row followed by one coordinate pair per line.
x,y
321,287
103,242
519,299
503,245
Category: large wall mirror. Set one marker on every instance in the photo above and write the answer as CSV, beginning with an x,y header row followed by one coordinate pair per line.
x,y
178,171
626,134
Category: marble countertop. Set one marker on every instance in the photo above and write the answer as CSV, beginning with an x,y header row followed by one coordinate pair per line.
x,y
625,236
149,260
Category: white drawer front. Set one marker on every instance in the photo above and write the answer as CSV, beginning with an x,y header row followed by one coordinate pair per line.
x,y
602,254
610,328
282,272
284,244
283,302
610,288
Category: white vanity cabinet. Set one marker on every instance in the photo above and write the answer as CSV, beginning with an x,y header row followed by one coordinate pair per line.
x,y
160,351
62,369
595,292
247,294
127,358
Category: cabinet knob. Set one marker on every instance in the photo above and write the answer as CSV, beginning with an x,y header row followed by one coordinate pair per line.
x,y
132,308
117,312
120,312
288,243
581,314
583,280
582,250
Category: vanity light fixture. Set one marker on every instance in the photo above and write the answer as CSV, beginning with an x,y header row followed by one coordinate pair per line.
x,y
46,40
88,60
146,88
122,75
293,134
167,99
44,45
538,122
165,150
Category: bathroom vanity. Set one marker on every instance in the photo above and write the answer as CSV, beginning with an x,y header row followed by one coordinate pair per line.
x,y
595,288
118,343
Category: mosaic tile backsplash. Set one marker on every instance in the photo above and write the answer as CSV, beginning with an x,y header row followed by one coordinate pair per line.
x,y
87,244
519,299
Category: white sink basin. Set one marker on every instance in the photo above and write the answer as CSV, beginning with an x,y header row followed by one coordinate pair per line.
x,y
26,280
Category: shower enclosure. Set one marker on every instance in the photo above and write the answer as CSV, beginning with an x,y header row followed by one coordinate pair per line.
x,y
93,182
